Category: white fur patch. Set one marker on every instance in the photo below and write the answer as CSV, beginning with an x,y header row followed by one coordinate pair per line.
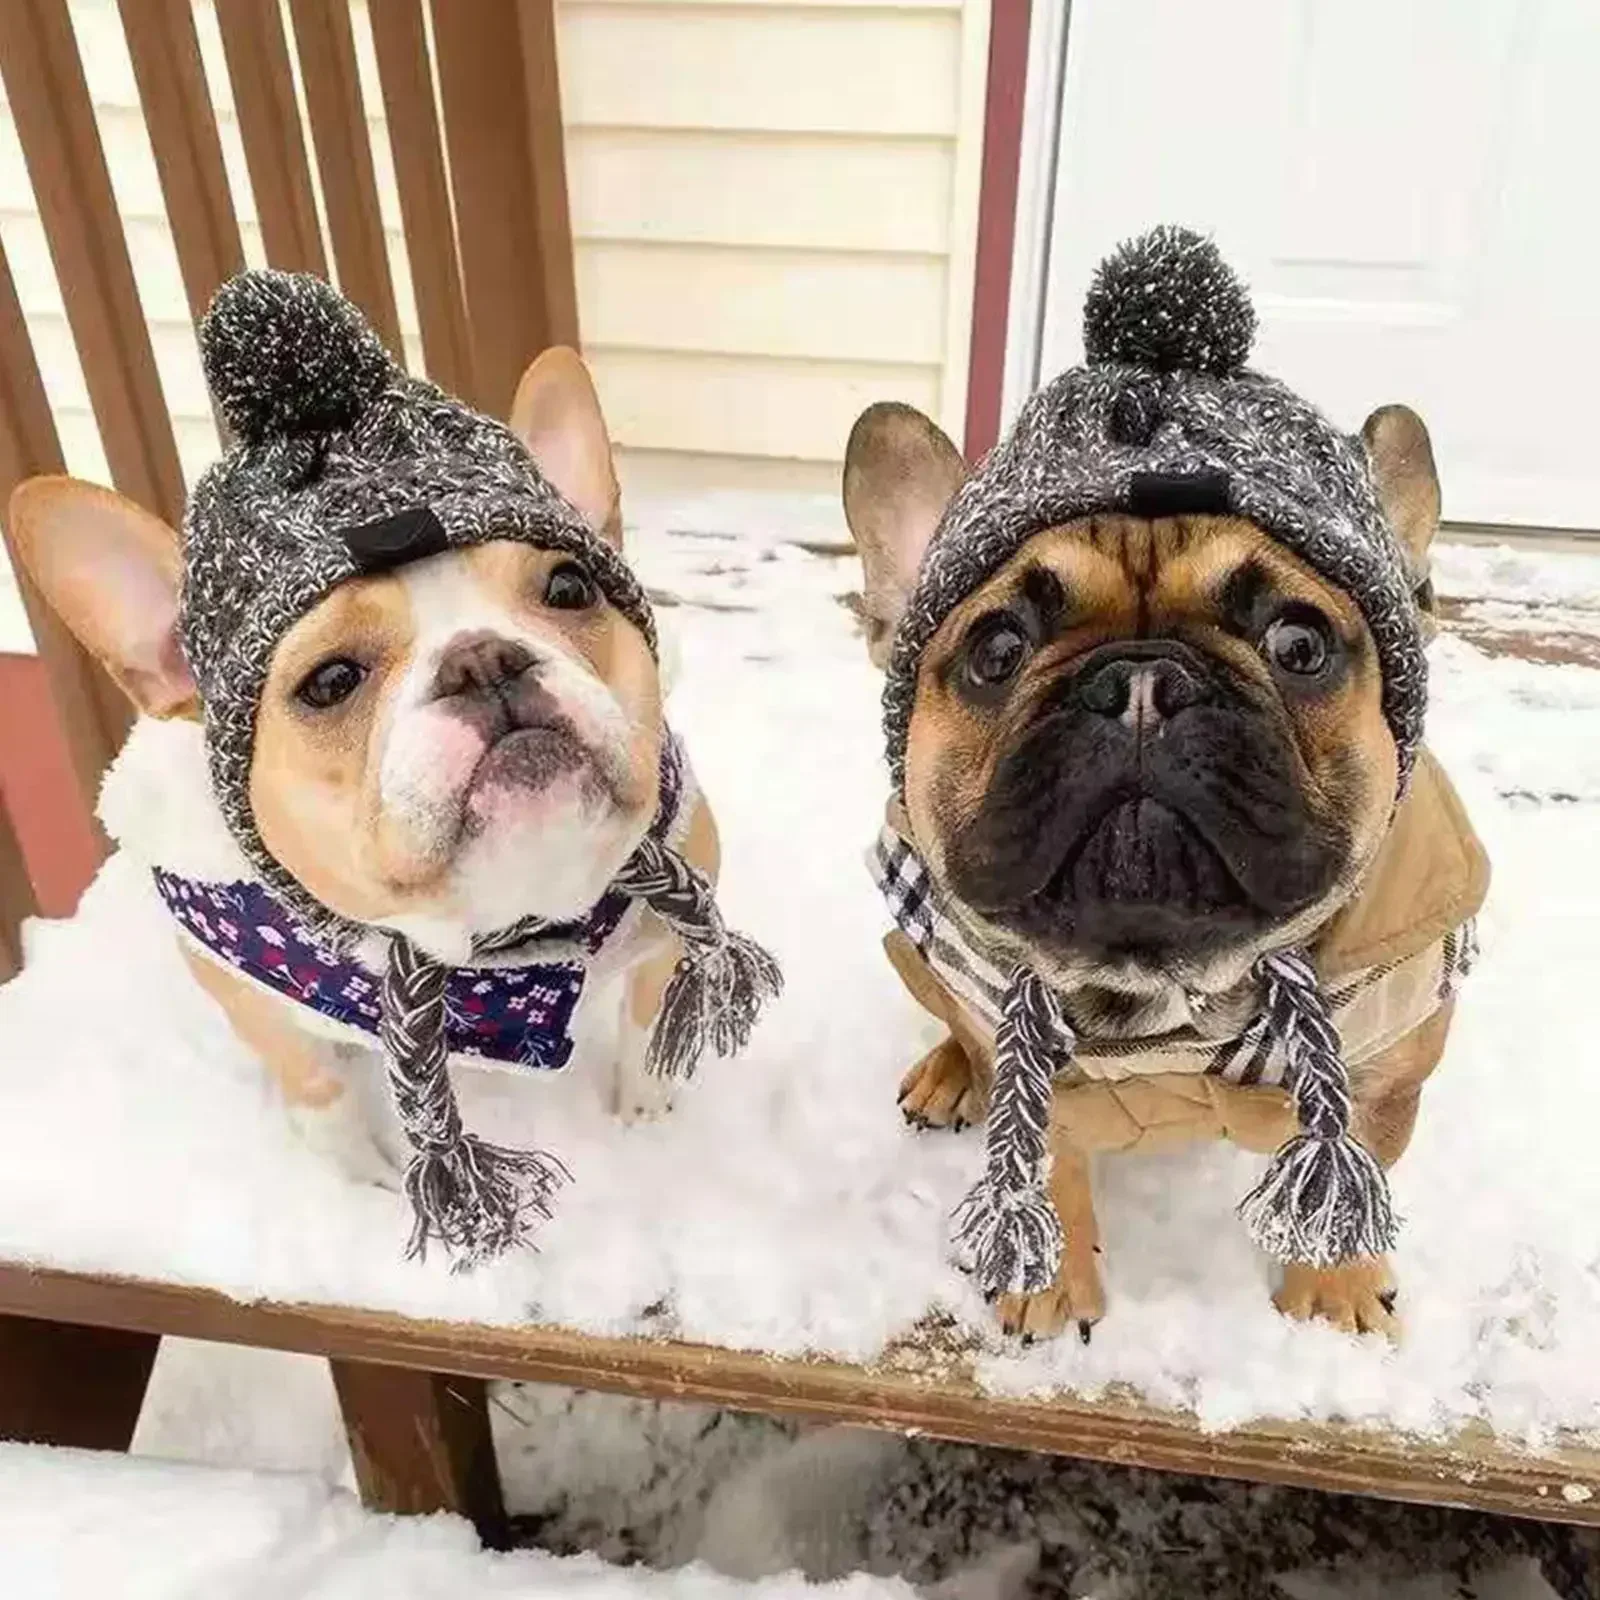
x,y
157,803
549,854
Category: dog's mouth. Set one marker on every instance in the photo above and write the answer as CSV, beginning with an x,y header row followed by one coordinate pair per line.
x,y
529,742
1141,881
1144,852
530,758
1090,843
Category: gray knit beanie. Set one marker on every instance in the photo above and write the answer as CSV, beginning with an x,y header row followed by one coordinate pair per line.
x,y
344,465
1165,419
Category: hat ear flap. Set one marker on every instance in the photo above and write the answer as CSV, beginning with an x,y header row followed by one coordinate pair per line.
x,y
900,471
1401,456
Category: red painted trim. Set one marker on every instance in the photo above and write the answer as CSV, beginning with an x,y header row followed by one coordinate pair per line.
x,y
38,790
997,220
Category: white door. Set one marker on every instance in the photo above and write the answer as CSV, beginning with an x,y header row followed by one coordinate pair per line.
x,y
1411,188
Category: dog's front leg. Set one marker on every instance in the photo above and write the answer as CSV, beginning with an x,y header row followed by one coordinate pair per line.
x,y
948,1087
1359,1296
1077,1294
638,1092
323,1109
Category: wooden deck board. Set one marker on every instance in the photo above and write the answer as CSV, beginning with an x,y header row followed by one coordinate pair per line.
x,y
1472,1470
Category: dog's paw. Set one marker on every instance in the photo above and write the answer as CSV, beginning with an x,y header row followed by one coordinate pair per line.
x,y
1076,1299
939,1092
643,1097
1356,1297
340,1132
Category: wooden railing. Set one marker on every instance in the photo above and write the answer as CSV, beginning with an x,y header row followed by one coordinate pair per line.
x,y
480,174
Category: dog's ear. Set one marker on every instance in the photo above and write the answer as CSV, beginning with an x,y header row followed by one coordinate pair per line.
x,y
899,473
1408,486
111,571
556,414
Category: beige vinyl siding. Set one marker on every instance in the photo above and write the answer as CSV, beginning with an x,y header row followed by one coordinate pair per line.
x,y
772,206
828,155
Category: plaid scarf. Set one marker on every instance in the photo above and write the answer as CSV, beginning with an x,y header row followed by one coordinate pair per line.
x,y
1324,1197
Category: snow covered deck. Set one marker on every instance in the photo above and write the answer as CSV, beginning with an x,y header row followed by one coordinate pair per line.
x,y
917,1388
778,1242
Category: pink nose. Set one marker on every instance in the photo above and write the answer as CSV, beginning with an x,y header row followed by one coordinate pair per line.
x,y
477,666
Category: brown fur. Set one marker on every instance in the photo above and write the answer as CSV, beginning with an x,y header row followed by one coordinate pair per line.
x,y
1126,578
949,1087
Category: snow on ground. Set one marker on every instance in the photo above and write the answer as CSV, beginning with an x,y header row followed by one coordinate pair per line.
x,y
783,1205
1523,573
80,1526
665,1485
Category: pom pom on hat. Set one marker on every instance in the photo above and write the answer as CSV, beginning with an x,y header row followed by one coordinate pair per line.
x,y
285,353
1168,301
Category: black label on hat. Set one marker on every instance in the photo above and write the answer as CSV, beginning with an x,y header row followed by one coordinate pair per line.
x,y
392,541
1178,494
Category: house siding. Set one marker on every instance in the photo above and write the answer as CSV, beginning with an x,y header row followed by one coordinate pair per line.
x,y
772,207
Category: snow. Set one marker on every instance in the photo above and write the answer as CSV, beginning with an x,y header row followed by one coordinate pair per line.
x,y
667,1484
783,1206
1526,573
79,1526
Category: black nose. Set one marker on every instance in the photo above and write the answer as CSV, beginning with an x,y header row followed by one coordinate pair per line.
x,y
1141,684
479,664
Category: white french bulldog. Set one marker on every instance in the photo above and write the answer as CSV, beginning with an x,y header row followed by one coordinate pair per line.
x,y
442,749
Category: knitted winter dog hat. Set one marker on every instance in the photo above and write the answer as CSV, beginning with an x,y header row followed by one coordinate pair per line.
x,y
1165,419
343,465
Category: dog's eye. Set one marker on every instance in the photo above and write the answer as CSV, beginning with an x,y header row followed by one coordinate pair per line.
x,y
570,588
996,651
328,684
1298,643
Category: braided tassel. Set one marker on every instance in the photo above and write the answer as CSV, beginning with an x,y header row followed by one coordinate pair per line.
x,y
1007,1225
476,1198
1324,1199
723,979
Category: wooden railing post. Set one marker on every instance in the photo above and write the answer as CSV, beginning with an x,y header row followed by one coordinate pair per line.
x,y
61,144
516,252
16,897
176,103
401,44
547,154
94,714
327,51
269,124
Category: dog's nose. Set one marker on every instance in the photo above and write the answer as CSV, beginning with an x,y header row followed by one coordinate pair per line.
x,y
1140,690
479,664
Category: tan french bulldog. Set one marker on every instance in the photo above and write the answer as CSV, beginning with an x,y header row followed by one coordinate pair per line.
x,y
1149,737
452,740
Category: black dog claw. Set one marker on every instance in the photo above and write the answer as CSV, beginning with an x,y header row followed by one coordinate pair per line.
x,y
1085,1332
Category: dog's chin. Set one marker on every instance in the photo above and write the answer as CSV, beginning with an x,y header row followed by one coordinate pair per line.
x,y
538,771
545,830
1141,885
